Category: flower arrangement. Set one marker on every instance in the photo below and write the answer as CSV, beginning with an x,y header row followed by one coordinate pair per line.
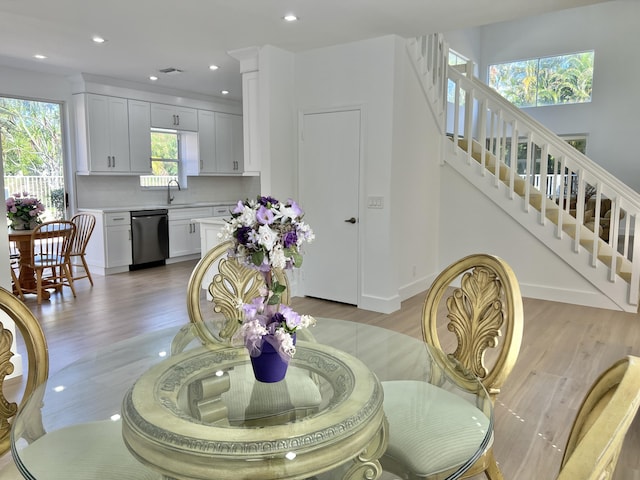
x,y
24,207
268,234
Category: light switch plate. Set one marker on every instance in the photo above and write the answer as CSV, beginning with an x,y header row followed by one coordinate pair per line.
x,y
375,202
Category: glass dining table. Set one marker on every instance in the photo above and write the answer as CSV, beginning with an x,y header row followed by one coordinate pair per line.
x,y
198,413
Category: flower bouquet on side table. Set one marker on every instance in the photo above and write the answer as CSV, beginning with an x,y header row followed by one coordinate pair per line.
x,y
23,211
268,235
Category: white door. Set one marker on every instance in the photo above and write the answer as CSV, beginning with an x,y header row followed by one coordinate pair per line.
x,y
329,185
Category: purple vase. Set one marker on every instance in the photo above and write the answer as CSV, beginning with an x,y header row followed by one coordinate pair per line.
x,y
269,367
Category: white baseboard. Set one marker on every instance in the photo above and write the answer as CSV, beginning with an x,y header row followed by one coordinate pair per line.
x,y
379,304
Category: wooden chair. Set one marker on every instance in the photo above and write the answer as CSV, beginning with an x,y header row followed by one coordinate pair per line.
x,y
14,262
217,287
484,312
602,422
84,222
110,448
51,244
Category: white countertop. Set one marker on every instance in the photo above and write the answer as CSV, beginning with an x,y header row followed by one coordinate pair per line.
x,y
211,220
128,208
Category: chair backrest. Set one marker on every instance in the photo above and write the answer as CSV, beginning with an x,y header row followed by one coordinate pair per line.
x,y
228,284
484,311
51,242
84,222
37,355
602,422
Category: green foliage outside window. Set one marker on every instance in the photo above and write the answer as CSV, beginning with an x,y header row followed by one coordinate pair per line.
x,y
164,153
545,81
31,137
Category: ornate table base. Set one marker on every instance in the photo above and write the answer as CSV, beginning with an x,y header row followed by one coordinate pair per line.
x,y
161,426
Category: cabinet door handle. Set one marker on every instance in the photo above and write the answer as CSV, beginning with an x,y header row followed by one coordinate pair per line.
x,y
113,158
178,117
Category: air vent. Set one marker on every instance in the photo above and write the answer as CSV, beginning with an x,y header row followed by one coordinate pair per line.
x,y
171,71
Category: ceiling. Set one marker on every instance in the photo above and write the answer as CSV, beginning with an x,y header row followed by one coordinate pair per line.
x,y
144,36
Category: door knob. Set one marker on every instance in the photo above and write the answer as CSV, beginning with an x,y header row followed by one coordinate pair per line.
x,y
351,220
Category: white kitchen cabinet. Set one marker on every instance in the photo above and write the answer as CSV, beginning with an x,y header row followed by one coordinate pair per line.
x,y
207,142
103,133
174,117
184,233
109,247
140,137
229,144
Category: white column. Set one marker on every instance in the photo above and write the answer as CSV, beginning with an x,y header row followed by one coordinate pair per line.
x,y
252,130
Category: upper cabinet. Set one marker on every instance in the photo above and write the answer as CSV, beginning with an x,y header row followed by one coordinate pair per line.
x,y
229,144
220,142
206,143
103,133
174,117
140,137
113,135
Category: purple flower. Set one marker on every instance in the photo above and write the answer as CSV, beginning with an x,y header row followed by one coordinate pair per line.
x,y
290,239
294,207
243,235
239,207
266,201
264,215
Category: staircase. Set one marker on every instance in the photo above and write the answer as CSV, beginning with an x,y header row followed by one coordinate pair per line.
x,y
555,192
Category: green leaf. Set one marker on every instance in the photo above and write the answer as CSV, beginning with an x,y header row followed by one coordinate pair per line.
x,y
257,258
277,288
274,299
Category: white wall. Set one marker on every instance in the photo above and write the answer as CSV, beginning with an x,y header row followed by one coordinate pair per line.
x,y
472,223
362,74
415,182
611,30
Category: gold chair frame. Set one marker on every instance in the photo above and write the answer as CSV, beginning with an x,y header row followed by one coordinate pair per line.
x,y
38,361
603,420
232,285
484,312
485,308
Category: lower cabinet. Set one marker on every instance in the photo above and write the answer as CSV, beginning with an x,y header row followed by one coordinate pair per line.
x,y
109,248
184,233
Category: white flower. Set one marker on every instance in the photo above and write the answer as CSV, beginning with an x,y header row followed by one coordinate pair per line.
x,y
278,260
267,237
307,321
285,341
247,218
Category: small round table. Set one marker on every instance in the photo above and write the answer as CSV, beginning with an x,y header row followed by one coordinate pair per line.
x,y
175,418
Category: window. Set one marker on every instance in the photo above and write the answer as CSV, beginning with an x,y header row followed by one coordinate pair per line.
x,y
31,148
545,81
165,158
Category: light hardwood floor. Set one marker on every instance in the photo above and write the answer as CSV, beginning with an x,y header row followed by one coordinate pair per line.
x,y
565,347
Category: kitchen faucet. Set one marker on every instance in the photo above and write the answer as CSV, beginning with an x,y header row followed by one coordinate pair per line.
x,y
169,197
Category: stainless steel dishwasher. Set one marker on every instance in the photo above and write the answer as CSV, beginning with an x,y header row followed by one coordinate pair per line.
x,y
149,238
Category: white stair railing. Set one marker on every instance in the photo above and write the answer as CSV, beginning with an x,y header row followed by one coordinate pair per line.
x,y
567,188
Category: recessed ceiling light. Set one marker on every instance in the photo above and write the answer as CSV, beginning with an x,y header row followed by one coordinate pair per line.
x,y
39,56
290,18
153,78
224,92
98,39
213,67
